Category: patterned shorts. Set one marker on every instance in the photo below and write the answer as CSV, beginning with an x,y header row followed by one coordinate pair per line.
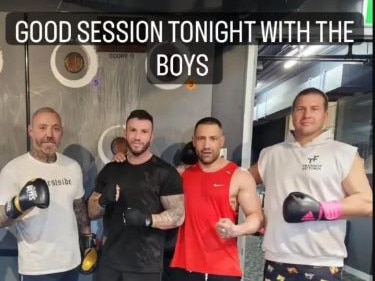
x,y
275,271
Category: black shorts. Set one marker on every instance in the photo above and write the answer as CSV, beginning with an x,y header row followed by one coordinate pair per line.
x,y
178,274
105,273
275,271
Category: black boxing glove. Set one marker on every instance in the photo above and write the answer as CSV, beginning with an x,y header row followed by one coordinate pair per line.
x,y
108,196
301,207
134,217
188,155
34,193
89,254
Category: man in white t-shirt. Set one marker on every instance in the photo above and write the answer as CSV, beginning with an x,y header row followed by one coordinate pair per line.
x,y
49,214
313,184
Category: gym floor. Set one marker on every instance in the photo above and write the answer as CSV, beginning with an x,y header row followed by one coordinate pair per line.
x,y
254,262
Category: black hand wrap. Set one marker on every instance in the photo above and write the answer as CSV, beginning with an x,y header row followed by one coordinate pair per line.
x,y
108,196
134,217
34,193
88,253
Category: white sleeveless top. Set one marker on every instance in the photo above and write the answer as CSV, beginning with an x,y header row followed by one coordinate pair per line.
x,y
317,169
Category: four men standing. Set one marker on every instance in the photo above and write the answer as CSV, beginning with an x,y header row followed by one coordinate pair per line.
x,y
143,195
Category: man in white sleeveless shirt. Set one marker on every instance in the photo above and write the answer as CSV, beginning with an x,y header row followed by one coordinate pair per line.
x,y
313,184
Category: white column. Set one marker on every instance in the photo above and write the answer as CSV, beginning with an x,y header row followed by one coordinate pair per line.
x,y
250,83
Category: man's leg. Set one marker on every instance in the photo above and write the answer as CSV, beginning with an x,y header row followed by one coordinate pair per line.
x,y
211,277
131,276
178,274
105,273
275,271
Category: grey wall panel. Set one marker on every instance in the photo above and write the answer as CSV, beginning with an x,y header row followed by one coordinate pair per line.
x,y
228,99
13,132
12,99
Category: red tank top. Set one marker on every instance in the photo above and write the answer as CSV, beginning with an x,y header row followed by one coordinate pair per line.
x,y
198,247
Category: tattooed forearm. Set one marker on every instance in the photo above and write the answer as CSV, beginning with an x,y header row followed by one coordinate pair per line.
x,y
95,210
4,220
83,220
174,213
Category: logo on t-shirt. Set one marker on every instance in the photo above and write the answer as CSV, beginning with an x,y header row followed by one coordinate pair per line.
x,y
59,182
218,185
312,163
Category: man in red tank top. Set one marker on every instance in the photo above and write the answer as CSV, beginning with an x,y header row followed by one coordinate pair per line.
x,y
214,190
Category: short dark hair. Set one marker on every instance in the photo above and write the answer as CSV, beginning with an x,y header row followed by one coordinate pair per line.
x,y
313,91
208,121
140,114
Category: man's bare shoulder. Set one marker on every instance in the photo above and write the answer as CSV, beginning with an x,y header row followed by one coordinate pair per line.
x,y
243,177
242,172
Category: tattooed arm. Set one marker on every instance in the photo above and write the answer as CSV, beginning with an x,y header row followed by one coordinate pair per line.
x,y
174,213
4,219
95,210
83,220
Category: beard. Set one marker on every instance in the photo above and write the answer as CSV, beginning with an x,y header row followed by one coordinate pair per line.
x,y
46,147
44,151
138,151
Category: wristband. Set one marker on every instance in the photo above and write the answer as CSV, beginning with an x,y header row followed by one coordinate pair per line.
x,y
331,210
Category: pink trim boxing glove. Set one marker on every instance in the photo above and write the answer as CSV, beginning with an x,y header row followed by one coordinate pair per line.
x,y
301,207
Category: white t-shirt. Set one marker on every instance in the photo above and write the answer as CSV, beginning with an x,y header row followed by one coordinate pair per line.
x,y
48,239
317,169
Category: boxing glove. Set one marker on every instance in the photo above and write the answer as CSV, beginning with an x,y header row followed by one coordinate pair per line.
x,y
34,193
134,217
188,155
108,196
88,253
300,207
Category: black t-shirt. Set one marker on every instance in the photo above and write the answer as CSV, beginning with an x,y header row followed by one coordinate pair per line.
x,y
136,249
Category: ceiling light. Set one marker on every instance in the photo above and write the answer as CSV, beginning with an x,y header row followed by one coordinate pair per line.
x,y
310,50
304,51
290,63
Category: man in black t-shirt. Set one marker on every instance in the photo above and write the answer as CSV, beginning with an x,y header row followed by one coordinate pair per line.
x,y
138,199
